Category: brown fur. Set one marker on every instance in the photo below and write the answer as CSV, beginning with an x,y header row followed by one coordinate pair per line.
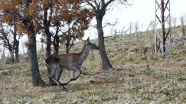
x,y
71,61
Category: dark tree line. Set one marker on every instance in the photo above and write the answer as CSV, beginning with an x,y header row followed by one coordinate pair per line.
x,y
10,39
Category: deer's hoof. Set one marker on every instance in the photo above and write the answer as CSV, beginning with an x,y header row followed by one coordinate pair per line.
x,y
63,87
62,84
73,79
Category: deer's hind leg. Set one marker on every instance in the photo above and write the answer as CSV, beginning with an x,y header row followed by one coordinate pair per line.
x,y
57,76
53,68
58,73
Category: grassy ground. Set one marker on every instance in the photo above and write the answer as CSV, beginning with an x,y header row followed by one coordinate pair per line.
x,y
135,80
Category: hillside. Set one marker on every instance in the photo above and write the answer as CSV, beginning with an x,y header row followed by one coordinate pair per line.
x,y
136,79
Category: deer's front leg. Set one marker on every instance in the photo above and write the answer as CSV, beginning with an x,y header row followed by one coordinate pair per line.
x,y
58,73
72,77
73,74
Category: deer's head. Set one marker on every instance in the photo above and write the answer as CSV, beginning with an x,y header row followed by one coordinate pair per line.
x,y
91,45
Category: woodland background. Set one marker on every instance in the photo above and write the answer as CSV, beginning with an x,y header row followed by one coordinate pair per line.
x,y
135,73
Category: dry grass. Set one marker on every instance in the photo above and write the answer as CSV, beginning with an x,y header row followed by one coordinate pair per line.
x,y
132,82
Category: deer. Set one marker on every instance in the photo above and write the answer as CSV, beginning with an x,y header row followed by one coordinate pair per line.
x,y
70,61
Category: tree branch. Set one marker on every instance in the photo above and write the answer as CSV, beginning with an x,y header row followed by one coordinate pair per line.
x,y
109,2
94,7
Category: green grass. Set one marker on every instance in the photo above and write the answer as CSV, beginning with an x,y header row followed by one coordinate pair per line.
x,y
163,82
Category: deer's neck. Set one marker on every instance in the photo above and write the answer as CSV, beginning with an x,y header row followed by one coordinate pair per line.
x,y
83,54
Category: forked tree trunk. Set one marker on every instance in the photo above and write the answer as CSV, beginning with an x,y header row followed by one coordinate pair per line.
x,y
105,61
100,9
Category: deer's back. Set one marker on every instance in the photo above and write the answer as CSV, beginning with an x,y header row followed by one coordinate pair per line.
x,y
65,60
69,60
52,59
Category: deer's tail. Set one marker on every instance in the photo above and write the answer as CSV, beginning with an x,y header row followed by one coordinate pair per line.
x,y
50,60
47,61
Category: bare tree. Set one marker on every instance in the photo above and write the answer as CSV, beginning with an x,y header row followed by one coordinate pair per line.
x,y
9,39
151,25
9,36
182,21
124,31
100,7
174,21
130,27
142,26
136,27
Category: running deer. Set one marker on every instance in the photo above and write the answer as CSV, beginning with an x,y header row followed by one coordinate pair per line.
x,y
71,61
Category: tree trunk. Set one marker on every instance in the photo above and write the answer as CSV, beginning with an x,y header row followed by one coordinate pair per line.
x,y
48,53
36,77
16,45
56,44
183,30
32,51
10,48
56,39
48,48
12,56
105,61
67,46
17,51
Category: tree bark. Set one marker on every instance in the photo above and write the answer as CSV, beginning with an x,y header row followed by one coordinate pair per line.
x,y
105,61
48,47
17,51
32,51
16,45
67,46
56,44
12,56
10,48
48,53
56,41
100,8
